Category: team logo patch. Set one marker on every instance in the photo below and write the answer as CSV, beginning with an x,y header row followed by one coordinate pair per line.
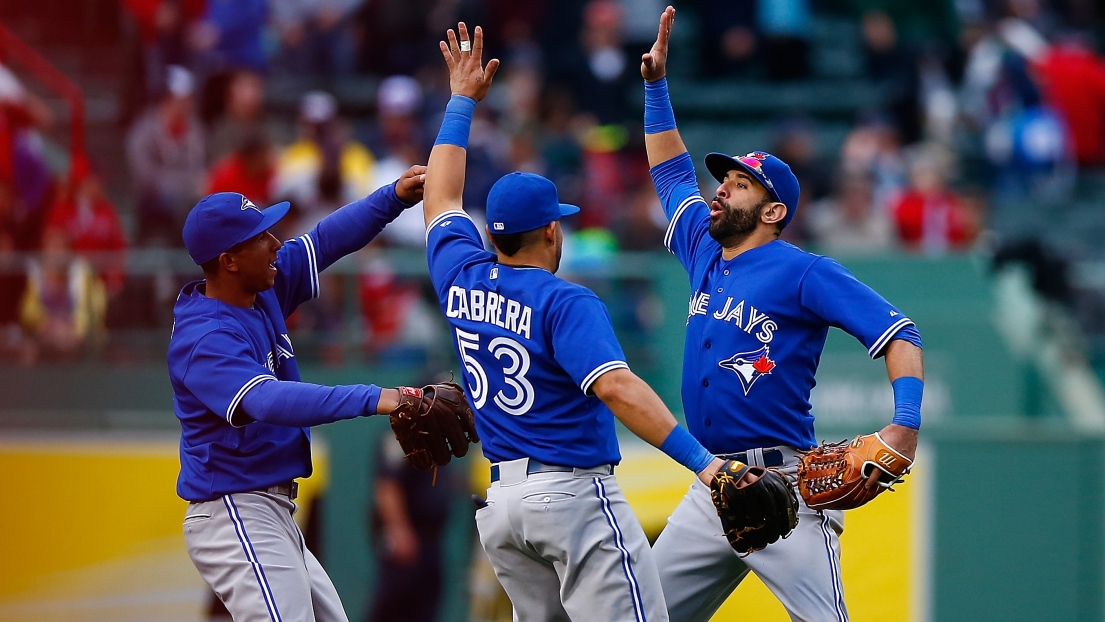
x,y
750,366
247,204
754,161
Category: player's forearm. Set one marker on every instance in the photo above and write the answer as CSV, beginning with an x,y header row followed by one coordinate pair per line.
x,y
353,226
446,167
302,404
905,368
662,139
638,407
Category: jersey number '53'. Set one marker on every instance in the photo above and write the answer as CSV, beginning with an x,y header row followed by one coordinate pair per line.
x,y
515,359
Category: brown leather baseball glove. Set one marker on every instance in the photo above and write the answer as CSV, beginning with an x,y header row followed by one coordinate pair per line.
x,y
833,476
433,424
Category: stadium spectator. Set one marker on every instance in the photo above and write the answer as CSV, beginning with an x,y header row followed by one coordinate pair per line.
x,y
13,279
64,303
244,117
409,517
324,141
162,41
228,38
22,160
849,223
165,151
602,78
316,36
930,216
91,224
728,37
1073,78
785,26
249,170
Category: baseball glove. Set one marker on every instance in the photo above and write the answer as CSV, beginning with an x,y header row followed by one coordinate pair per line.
x,y
433,424
757,506
832,476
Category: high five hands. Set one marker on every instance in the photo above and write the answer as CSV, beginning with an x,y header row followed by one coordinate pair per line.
x,y
654,65
467,75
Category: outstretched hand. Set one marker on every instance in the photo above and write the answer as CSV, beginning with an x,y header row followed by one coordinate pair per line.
x,y
409,187
467,75
654,65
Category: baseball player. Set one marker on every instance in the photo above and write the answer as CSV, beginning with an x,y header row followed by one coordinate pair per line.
x,y
244,413
758,317
543,371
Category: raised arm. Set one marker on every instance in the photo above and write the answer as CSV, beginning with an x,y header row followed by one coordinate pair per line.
x,y
637,406
469,82
662,140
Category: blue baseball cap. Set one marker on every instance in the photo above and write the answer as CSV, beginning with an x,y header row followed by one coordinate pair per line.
x,y
221,220
522,202
770,171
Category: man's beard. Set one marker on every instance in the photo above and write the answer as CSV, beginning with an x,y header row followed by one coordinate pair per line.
x,y
735,225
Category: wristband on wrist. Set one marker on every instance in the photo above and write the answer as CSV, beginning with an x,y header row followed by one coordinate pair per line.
x,y
907,401
686,450
659,116
457,122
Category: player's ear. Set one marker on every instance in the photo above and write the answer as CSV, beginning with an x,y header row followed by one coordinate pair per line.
x,y
228,261
774,213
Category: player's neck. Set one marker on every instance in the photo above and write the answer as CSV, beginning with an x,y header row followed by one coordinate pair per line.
x,y
529,259
228,293
756,239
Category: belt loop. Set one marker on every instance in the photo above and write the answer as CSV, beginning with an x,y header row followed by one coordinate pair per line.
x,y
756,457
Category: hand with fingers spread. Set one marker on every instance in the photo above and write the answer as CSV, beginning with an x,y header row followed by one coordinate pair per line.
x,y
467,75
654,65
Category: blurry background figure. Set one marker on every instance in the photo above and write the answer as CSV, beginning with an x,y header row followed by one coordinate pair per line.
x,y
605,72
227,39
165,151
163,28
13,281
91,224
64,303
324,141
398,141
850,223
729,38
22,159
930,216
243,118
408,521
316,36
785,28
249,169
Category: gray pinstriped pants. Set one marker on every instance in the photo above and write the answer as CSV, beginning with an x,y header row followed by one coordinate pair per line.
x,y
567,546
249,550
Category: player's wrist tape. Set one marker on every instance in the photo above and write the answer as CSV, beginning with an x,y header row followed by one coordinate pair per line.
x,y
659,117
686,450
907,401
457,122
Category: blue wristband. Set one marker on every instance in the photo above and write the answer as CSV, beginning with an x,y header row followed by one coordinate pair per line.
x,y
907,401
686,450
457,122
659,117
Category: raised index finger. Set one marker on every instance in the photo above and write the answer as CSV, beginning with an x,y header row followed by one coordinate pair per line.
x,y
666,21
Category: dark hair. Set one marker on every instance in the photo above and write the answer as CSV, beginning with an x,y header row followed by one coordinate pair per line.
x,y
510,243
211,266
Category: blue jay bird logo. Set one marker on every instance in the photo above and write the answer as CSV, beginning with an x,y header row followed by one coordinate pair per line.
x,y
750,366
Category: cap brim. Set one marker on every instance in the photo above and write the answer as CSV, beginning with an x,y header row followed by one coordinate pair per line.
x,y
568,210
270,216
719,165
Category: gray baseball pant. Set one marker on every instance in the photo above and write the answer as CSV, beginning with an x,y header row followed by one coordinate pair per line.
x,y
567,546
249,550
699,569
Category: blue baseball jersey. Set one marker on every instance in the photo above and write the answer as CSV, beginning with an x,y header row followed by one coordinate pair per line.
x,y
756,325
531,346
219,352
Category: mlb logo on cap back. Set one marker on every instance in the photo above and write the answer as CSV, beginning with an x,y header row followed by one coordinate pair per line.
x,y
773,173
524,201
221,220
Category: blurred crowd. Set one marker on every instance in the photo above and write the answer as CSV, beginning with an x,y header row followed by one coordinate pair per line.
x,y
986,102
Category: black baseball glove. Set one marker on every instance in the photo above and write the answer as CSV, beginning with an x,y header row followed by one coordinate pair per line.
x,y
433,424
757,506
